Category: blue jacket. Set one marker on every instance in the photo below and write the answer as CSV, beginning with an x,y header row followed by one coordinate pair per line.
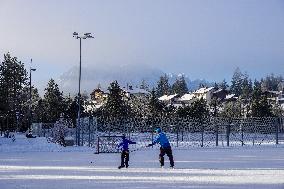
x,y
162,139
125,142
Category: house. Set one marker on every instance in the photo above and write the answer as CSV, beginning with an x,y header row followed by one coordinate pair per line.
x,y
275,97
169,99
135,91
280,98
230,98
205,93
220,94
187,99
91,105
99,96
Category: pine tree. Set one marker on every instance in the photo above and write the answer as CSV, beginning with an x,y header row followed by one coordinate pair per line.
x,y
260,105
231,110
156,108
28,106
13,78
163,87
115,105
237,82
246,94
223,85
199,109
180,87
144,85
72,108
53,99
271,82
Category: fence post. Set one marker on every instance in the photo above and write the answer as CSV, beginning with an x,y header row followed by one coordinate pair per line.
x,y
217,134
152,134
82,128
277,129
98,145
242,131
177,129
228,134
202,134
89,128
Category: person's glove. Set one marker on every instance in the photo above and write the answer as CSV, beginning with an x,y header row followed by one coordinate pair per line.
x,y
149,145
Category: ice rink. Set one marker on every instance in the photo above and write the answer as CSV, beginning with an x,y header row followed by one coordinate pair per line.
x,y
243,167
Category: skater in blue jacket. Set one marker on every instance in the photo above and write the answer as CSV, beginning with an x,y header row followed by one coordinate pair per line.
x,y
125,152
165,148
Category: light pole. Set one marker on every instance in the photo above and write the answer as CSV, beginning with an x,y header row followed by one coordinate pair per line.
x,y
30,105
17,116
80,37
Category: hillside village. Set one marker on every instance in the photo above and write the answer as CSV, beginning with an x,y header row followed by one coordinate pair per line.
x,y
209,94
21,104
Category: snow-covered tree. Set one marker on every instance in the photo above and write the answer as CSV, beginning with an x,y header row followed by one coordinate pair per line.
x,y
60,130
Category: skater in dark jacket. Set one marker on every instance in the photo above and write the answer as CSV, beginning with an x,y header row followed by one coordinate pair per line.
x,y
125,152
165,148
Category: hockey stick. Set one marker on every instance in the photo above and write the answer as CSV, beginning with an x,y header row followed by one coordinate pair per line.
x,y
137,149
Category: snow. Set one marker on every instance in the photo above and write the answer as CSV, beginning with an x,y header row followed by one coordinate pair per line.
x,y
229,96
135,90
167,97
187,97
46,165
203,90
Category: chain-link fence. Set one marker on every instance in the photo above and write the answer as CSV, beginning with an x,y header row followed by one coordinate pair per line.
x,y
182,132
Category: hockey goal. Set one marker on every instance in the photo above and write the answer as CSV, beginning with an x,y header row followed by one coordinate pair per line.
x,y
108,144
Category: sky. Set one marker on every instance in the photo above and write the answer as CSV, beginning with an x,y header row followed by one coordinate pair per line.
x,y
204,39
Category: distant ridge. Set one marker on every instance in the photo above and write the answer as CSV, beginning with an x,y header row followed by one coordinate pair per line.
x,y
131,75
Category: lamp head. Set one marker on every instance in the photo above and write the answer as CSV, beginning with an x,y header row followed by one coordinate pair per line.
x,y
88,35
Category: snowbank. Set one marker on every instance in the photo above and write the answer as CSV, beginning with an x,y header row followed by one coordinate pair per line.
x,y
38,144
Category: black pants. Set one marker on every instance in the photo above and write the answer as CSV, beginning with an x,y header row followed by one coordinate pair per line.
x,y
124,158
169,153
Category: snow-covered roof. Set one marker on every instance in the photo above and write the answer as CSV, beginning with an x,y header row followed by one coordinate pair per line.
x,y
167,97
187,97
229,96
103,90
219,90
275,92
204,90
136,91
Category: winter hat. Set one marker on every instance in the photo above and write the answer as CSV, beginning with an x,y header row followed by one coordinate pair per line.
x,y
158,130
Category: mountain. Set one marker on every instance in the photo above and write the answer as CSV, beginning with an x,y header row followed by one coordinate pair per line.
x,y
91,77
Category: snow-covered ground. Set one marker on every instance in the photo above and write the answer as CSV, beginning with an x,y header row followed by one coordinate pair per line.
x,y
36,164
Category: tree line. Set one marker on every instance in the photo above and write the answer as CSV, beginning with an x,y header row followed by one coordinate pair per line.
x,y
18,109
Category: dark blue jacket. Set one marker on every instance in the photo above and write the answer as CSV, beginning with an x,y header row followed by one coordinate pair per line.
x,y
161,139
125,142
